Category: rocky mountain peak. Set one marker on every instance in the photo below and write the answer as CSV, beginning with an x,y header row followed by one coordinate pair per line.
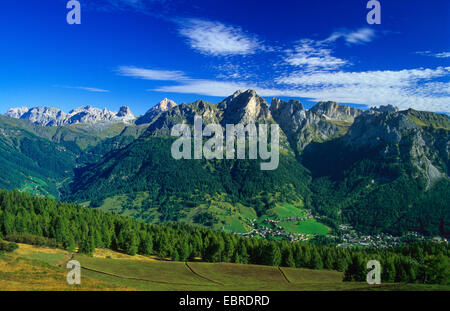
x,y
279,105
125,114
244,107
333,111
124,111
165,105
385,108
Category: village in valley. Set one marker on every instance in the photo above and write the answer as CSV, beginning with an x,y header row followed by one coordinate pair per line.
x,y
345,236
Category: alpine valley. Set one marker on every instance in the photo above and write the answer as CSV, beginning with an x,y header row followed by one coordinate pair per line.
x,y
379,172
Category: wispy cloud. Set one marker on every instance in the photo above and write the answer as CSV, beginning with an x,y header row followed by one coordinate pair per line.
x,y
151,74
359,36
84,88
313,56
438,55
366,78
442,55
317,55
92,89
412,88
217,39
405,89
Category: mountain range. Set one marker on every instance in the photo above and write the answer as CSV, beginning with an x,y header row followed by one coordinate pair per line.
x,y
49,116
381,170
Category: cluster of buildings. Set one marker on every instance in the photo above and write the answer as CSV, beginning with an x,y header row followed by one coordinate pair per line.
x,y
350,237
266,232
273,229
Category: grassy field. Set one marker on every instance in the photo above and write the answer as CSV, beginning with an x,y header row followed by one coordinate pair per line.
x,y
287,210
41,268
308,226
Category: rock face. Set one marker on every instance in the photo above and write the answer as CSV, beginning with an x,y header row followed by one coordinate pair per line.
x,y
397,134
244,107
16,112
45,116
126,114
49,116
335,112
322,122
371,130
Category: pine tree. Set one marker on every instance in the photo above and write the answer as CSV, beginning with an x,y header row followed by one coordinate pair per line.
x,y
356,270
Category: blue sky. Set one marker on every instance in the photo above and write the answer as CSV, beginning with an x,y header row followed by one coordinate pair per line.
x,y
136,52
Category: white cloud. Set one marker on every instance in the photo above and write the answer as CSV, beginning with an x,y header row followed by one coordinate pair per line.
x,y
442,88
313,56
84,88
151,74
403,98
420,88
359,36
438,55
242,70
367,78
411,88
316,55
91,89
442,55
404,89
217,39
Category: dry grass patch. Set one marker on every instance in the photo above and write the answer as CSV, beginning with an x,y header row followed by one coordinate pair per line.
x,y
24,274
107,253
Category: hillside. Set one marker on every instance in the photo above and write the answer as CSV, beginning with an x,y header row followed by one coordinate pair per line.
x,y
40,159
173,187
32,163
386,174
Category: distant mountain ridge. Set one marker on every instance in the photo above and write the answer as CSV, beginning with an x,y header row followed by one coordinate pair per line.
x,y
49,116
